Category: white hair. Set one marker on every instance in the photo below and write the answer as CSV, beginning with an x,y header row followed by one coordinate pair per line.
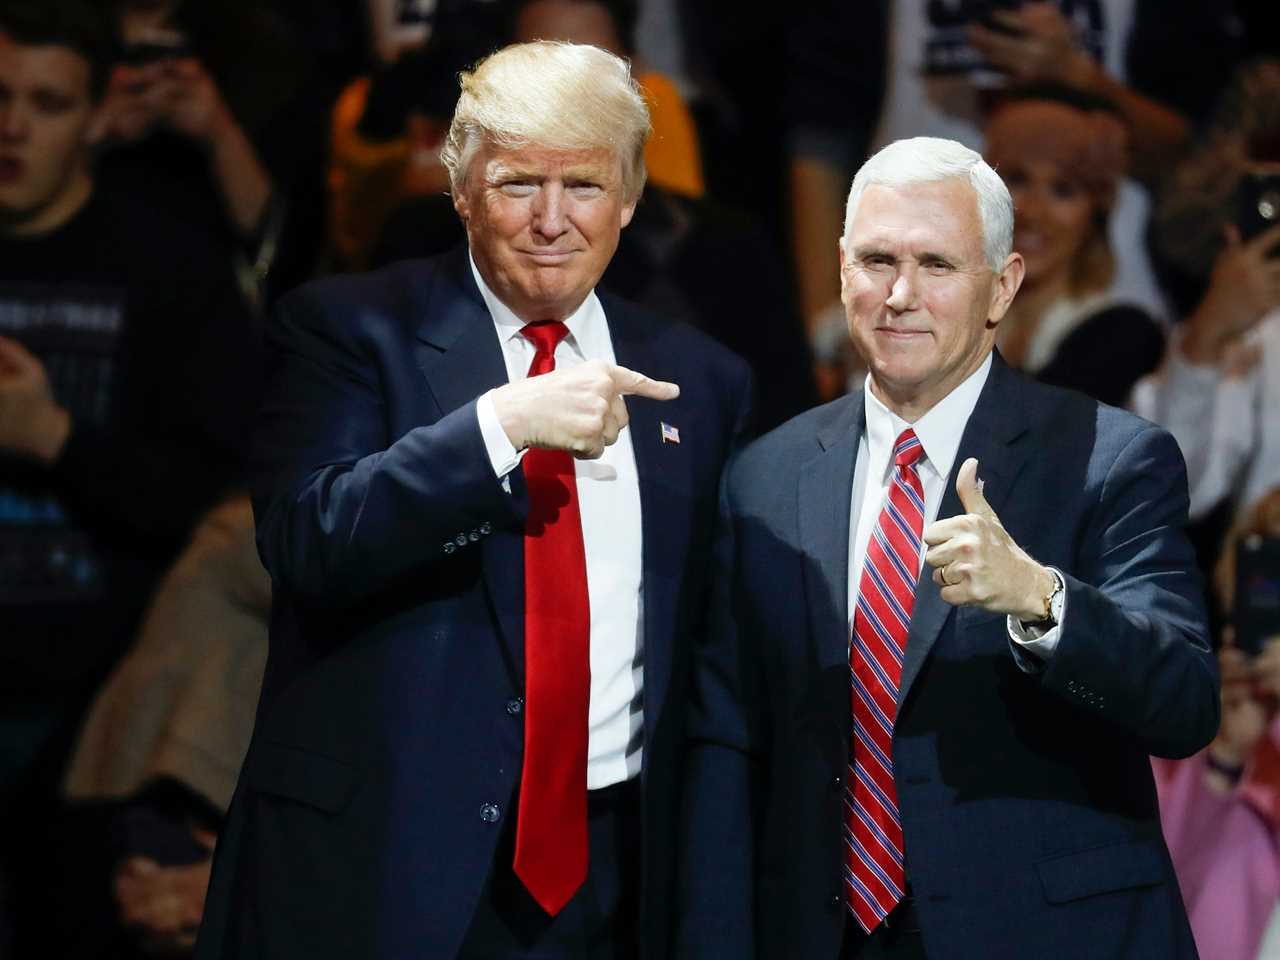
x,y
569,96
931,159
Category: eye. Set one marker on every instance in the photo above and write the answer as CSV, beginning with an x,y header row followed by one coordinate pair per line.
x,y
937,265
585,188
876,261
518,188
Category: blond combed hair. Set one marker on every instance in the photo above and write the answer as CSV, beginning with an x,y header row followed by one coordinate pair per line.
x,y
567,96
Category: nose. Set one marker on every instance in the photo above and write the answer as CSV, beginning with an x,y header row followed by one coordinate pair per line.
x,y
549,219
902,295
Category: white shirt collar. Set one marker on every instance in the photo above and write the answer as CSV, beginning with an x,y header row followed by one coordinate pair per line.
x,y
939,430
587,332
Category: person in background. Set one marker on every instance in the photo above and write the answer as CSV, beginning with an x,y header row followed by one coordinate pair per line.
x,y
1063,159
215,104
128,373
1218,386
1220,810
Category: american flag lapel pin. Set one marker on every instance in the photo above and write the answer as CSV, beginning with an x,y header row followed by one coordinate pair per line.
x,y
669,433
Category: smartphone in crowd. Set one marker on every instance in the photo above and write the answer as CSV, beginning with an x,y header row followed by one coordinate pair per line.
x,y
1257,608
1258,205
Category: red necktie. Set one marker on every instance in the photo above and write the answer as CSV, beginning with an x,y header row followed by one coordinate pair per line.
x,y
874,874
551,829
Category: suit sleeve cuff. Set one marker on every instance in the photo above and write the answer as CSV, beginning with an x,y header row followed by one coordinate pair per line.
x,y
503,456
1032,645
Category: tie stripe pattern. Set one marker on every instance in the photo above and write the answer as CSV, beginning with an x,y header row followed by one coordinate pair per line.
x,y
874,873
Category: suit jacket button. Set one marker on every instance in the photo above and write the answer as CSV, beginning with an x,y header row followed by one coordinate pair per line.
x,y
514,706
490,813
485,529
473,536
449,547
460,539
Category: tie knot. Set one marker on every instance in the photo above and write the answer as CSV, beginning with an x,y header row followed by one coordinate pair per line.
x,y
545,335
907,450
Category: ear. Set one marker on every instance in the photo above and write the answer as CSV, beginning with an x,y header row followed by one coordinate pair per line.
x,y
1005,288
628,211
844,276
461,202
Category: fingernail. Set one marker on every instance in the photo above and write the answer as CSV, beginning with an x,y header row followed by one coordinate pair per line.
x,y
982,484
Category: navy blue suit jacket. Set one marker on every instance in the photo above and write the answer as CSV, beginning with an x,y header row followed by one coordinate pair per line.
x,y
1026,799
388,741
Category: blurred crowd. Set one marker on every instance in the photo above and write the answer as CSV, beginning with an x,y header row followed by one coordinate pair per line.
x,y
168,168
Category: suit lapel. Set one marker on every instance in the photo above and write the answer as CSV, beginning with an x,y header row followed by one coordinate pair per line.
x,y
825,482
460,357
991,435
663,535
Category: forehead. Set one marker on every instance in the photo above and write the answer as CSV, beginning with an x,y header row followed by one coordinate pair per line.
x,y
941,216
43,67
539,160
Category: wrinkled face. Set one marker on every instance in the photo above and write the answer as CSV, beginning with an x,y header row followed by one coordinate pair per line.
x,y
45,113
543,224
921,301
1055,216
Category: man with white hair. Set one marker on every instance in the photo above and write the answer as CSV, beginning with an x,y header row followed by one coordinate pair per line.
x,y
488,534
920,724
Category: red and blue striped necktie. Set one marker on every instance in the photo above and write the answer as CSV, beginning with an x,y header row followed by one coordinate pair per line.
x,y
874,873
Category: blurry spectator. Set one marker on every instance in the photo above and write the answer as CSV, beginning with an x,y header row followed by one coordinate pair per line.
x,y
128,370
214,102
950,60
152,775
1063,158
388,126
1219,388
1220,810
671,155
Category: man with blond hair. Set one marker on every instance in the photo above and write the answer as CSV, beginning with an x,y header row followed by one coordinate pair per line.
x,y
486,503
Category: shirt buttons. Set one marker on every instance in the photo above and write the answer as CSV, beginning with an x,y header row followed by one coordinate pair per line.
x,y
514,706
490,813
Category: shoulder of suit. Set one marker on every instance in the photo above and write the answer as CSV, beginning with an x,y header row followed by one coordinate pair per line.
x,y
794,442
357,300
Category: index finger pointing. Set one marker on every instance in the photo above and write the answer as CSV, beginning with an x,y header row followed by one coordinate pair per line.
x,y
629,383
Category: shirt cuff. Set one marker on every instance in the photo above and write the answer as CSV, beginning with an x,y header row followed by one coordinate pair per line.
x,y
503,456
1032,646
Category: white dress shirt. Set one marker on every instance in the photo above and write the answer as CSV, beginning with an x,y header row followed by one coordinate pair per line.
x,y
939,432
609,503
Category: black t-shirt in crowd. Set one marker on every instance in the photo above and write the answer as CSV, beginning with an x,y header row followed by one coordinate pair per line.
x,y
147,343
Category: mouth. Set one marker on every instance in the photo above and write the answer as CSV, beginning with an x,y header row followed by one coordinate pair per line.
x,y
549,258
901,334
11,169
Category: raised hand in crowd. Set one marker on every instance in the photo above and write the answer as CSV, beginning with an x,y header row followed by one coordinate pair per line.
x,y
1243,288
1036,44
180,95
32,423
